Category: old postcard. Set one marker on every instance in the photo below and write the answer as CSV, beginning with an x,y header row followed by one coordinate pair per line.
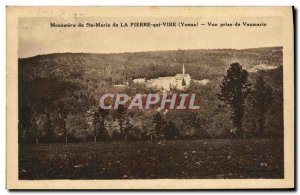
x,y
150,98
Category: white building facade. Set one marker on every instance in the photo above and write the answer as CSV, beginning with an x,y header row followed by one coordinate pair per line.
x,y
165,84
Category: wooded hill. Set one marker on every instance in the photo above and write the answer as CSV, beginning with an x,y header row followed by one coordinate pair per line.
x,y
63,84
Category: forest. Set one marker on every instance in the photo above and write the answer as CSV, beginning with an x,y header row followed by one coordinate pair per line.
x,y
59,96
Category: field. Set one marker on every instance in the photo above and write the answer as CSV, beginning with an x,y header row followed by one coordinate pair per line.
x,y
215,158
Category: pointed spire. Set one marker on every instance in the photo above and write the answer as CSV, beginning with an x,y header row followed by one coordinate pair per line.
x,y
183,69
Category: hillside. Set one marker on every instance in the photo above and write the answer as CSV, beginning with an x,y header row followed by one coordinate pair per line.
x,y
56,91
199,64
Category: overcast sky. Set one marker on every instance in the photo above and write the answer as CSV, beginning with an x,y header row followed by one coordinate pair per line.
x,y
37,37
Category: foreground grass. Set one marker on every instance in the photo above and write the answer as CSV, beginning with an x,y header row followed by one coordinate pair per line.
x,y
220,158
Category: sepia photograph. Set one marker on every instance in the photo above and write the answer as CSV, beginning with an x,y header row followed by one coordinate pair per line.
x,y
150,96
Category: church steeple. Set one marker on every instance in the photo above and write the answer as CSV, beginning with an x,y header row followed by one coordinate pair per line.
x,y
183,69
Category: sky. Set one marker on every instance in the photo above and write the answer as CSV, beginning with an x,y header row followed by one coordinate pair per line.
x,y
36,37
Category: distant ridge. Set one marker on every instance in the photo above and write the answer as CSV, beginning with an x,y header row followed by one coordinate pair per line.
x,y
199,63
186,50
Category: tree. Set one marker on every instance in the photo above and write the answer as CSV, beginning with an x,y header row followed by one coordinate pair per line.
x,y
127,128
39,122
119,115
70,126
263,96
234,91
65,109
170,131
75,125
90,121
113,128
98,122
158,125
80,132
